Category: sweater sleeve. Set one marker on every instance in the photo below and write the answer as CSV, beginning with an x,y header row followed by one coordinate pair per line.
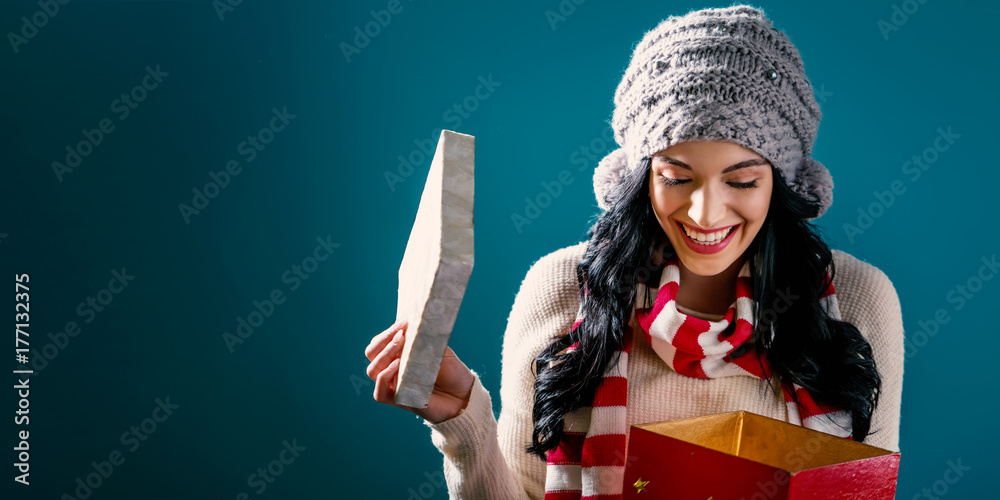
x,y
870,303
484,457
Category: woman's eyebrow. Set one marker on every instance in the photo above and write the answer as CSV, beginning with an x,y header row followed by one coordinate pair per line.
x,y
753,162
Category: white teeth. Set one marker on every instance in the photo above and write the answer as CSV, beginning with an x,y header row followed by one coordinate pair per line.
x,y
707,239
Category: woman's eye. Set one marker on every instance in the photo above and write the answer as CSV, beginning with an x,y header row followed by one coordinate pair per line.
x,y
673,182
744,185
677,182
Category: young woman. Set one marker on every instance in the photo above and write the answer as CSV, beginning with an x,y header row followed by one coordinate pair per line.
x,y
702,289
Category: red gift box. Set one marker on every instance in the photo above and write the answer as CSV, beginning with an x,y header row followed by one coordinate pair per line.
x,y
745,456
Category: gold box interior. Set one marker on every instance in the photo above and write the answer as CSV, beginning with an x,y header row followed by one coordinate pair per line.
x,y
766,440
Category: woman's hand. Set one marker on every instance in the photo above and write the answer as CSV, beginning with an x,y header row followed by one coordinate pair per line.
x,y
451,389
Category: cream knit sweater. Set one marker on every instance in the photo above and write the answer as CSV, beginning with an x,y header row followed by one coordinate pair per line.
x,y
484,457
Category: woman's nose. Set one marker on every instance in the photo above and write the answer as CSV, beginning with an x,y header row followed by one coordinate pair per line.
x,y
707,208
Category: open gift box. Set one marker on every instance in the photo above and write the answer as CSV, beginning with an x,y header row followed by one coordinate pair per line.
x,y
745,456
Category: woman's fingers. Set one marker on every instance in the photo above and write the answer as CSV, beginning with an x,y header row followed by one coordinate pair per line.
x,y
379,341
390,351
385,383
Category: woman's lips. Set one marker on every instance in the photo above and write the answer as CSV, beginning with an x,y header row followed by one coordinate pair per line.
x,y
707,249
706,231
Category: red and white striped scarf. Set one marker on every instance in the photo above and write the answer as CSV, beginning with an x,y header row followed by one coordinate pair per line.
x,y
589,462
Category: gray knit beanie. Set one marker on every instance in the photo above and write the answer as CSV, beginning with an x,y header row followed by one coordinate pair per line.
x,y
717,74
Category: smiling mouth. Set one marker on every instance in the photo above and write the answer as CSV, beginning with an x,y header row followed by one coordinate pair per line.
x,y
709,239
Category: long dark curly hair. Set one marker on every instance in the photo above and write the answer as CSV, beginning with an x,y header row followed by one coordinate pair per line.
x,y
829,358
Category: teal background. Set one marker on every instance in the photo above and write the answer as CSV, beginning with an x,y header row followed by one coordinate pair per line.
x,y
301,374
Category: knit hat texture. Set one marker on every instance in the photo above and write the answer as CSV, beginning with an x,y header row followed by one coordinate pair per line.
x,y
717,74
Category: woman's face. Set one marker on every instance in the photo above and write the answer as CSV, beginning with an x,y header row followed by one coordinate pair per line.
x,y
709,187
